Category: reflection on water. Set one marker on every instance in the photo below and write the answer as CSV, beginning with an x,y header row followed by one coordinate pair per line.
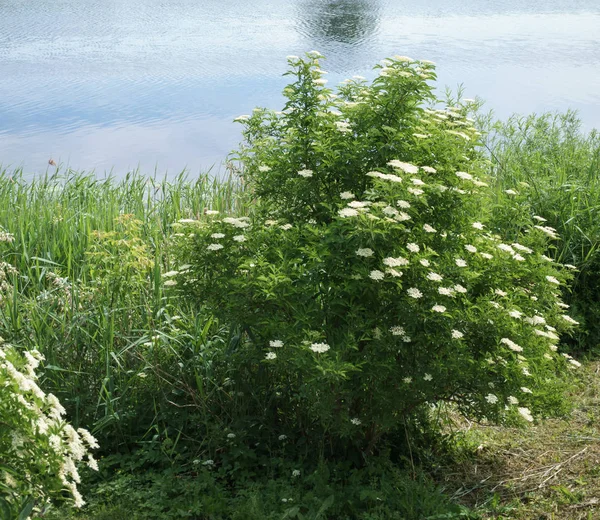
x,y
345,21
103,84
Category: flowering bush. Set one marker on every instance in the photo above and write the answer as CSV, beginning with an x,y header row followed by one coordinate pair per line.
x,y
38,449
365,287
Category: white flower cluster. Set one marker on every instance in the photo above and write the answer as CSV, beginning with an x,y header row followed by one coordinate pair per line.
x,y
38,431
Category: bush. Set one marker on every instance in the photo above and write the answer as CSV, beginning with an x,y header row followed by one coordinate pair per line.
x,y
38,449
364,288
555,167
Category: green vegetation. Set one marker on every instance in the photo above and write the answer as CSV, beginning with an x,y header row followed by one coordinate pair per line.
x,y
277,346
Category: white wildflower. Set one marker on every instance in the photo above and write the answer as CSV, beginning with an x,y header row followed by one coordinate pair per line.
x,y
413,248
305,173
365,252
460,262
511,345
397,331
464,175
405,167
526,414
457,334
414,293
215,247
434,277
438,308
319,348
356,421
346,195
428,229
270,355
491,398
376,275
347,212
276,343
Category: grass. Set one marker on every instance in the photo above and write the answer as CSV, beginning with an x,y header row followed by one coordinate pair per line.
x,y
548,471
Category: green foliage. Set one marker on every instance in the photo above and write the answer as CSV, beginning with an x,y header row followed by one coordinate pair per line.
x,y
360,298
38,449
277,490
555,168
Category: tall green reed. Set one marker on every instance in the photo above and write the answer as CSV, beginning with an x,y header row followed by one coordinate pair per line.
x,y
90,254
555,167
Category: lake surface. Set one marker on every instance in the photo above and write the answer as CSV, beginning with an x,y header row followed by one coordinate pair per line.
x,y
116,84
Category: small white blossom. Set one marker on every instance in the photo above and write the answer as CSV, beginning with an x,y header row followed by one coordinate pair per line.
x,y
464,175
397,331
511,345
276,343
428,229
457,334
434,277
427,377
356,421
270,355
414,293
403,204
365,251
470,248
347,212
491,398
405,167
239,238
217,235
215,247
460,262
551,279
319,348
346,195
413,248
460,289
526,414
376,275
438,308
407,380
478,225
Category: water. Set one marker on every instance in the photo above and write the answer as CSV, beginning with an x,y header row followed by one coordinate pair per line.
x,y
117,84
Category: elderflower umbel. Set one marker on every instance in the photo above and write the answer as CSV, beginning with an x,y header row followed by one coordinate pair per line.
x,y
376,275
414,293
319,348
305,173
438,308
276,343
346,195
270,355
457,334
214,247
413,248
364,251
